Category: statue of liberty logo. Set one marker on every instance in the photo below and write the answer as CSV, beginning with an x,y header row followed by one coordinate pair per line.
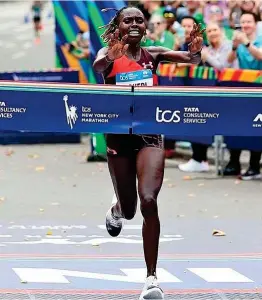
x,y
71,114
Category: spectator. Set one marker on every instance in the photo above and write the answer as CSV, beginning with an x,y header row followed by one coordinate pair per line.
x,y
234,14
216,11
245,6
80,47
83,39
219,48
248,6
247,44
170,16
37,8
198,163
214,56
151,8
187,24
247,47
157,34
192,9
174,4
181,44
143,5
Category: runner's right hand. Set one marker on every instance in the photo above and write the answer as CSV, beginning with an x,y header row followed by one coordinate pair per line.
x,y
116,48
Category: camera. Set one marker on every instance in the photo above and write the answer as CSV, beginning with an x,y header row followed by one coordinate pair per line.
x,y
237,27
151,27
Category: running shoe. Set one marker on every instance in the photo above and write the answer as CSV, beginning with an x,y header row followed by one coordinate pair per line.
x,y
113,224
151,290
251,175
194,166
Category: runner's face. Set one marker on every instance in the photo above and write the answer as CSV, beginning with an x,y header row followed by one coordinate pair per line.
x,y
132,23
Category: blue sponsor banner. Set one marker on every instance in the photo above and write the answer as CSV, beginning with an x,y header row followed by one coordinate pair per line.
x,y
63,112
198,115
105,109
70,76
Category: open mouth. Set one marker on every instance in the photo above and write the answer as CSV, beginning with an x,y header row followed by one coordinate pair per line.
x,y
134,33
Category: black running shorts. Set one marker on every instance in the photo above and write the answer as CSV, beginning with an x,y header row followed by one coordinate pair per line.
x,y
126,144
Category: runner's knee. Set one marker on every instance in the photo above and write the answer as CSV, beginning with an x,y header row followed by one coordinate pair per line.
x,y
148,205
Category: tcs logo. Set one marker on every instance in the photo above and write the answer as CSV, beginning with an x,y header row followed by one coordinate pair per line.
x,y
167,116
123,77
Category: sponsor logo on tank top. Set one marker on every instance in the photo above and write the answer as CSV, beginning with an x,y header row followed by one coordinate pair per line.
x,y
135,78
148,66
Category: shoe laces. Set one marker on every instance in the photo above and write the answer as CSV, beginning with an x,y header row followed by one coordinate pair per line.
x,y
116,222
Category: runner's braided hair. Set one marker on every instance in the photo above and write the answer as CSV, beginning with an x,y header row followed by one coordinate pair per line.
x,y
112,25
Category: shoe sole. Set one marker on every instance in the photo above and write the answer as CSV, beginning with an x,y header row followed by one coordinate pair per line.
x,y
112,233
194,171
153,294
256,177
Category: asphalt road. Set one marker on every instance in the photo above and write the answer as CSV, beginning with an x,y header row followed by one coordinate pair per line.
x,y
52,233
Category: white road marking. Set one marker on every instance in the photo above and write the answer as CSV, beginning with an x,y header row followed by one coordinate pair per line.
x,y
8,25
27,45
9,45
172,235
18,55
95,241
46,227
24,37
39,275
219,275
23,28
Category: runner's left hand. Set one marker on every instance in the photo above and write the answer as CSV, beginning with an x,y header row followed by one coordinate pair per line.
x,y
196,37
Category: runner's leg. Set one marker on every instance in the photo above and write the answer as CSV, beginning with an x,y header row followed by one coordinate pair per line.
x,y
122,168
150,172
123,175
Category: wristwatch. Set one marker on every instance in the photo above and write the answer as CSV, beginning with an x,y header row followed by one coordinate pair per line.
x,y
247,44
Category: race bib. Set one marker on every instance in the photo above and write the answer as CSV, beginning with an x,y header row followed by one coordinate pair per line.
x,y
136,78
